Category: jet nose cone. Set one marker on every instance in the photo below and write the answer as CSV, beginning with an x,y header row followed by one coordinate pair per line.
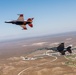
x,y
6,22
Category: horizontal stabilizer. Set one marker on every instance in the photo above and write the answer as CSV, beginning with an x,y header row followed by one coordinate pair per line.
x,y
31,25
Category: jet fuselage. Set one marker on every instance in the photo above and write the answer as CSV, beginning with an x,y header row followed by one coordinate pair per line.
x,y
19,22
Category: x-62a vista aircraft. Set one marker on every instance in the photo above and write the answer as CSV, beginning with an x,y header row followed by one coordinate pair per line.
x,y
21,22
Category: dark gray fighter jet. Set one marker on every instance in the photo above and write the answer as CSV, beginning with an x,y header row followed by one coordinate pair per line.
x,y
21,22
60,48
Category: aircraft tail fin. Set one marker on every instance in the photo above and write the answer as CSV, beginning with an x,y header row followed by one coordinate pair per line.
x,y
30,20
21,17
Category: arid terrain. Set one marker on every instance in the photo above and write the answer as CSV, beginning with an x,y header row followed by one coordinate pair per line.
x,y
24,57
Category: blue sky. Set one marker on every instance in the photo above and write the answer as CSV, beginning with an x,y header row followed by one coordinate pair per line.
x,y
50,17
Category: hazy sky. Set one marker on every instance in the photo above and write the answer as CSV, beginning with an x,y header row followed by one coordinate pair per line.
x,y
50,17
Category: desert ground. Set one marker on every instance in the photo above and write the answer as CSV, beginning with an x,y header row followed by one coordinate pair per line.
x,y
23,57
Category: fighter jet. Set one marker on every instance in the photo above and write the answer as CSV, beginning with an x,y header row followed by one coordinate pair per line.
x,y
21,22
60,48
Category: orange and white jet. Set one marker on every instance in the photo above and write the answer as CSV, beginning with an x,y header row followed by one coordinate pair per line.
x,y
21,22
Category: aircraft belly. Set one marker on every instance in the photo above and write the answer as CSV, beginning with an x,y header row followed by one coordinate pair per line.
x,y
19,23
27,22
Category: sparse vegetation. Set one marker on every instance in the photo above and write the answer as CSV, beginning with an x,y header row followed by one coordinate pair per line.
x,y
71,60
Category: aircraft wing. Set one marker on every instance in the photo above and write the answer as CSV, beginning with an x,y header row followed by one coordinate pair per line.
x,y
24,27
21,17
